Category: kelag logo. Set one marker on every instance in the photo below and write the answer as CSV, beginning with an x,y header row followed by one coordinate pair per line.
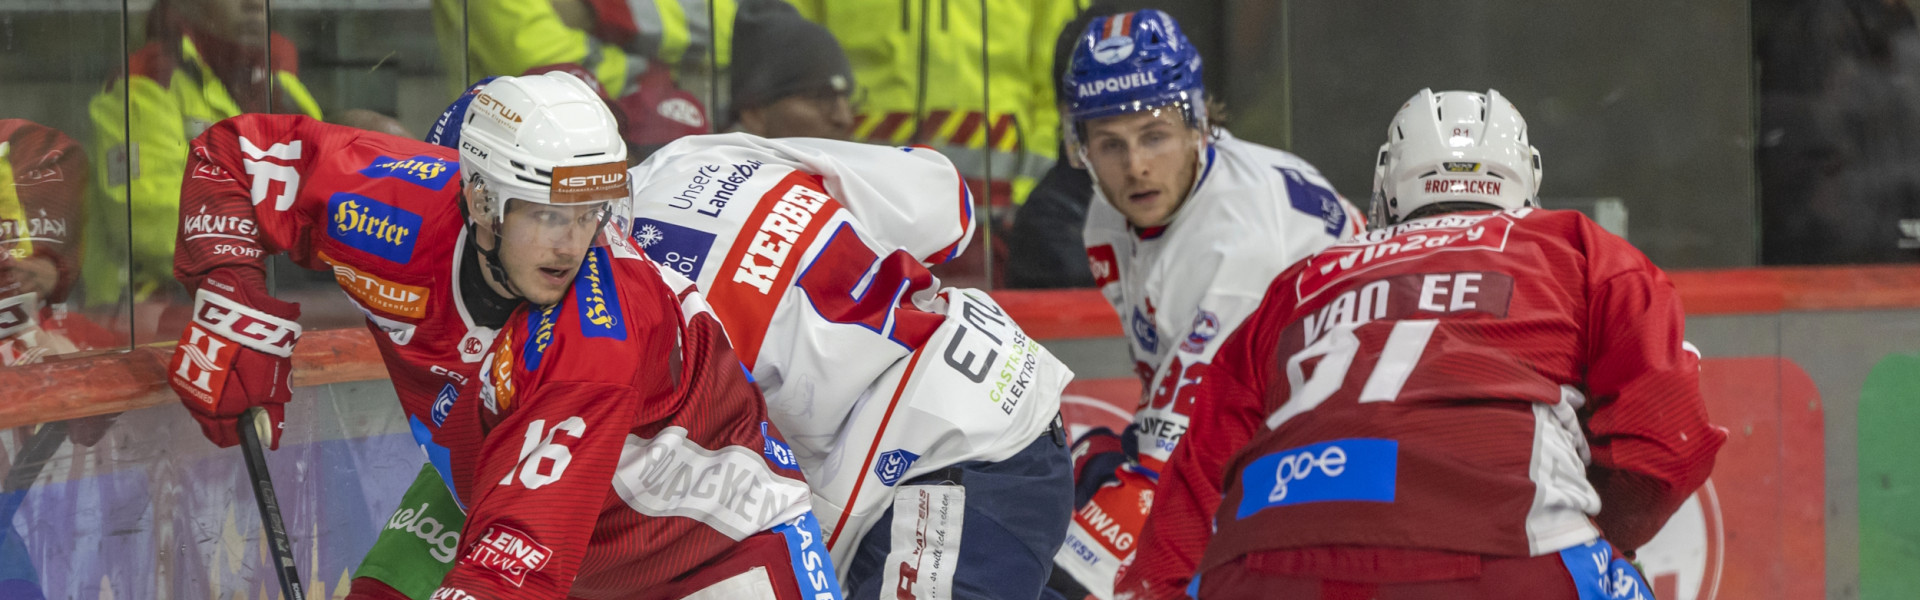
x,y
682,249
424,171
599,303
372,226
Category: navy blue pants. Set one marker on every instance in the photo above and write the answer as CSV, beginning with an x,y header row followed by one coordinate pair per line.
x,y
1015,518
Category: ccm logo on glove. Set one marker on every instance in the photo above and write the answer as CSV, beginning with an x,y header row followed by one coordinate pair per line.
x,y
243,324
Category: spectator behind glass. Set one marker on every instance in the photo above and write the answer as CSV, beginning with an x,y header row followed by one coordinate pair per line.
x,y
1045,249
204,61
924,81
790,78
940,74
641,58
1839,131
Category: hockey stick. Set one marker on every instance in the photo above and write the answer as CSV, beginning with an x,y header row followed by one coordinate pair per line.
x,y
34,454
254,426
27,465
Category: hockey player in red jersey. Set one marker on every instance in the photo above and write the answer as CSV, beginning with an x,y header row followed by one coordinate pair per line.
x,y
1187,225
1478,399
42,175
434,278
627,455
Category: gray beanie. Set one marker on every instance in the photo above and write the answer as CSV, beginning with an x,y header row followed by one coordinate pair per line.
x,y
777,53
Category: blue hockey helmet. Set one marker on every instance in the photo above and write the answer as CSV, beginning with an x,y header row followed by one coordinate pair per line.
x,y
1132,62
446,129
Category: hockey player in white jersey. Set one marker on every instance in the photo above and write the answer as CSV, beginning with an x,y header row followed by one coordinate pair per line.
x,y
1187,227
925,420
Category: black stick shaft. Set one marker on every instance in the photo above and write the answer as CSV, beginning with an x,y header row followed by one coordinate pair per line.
x,y
280,545
33,457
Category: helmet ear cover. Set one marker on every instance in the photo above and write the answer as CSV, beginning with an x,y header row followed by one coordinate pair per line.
x,y
1456,149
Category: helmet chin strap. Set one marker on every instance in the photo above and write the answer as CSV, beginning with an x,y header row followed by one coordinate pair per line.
x,y
492,262
491,256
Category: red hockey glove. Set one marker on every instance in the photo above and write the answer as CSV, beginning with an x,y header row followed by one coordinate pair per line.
x,y
1096,459
235,354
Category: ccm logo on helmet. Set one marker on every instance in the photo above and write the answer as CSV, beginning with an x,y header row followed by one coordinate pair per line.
x,y
1116,84
474,150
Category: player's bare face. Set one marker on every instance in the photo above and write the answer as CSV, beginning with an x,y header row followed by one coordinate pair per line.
x,y
1144,162
542,245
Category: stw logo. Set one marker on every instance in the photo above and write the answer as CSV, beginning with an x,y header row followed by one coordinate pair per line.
x,y
596,180
198,364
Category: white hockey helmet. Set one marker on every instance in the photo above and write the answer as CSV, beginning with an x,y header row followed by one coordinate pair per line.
x,y
546,139
1454,146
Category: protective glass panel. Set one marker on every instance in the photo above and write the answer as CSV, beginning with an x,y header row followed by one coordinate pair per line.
x,y
63,193
368,64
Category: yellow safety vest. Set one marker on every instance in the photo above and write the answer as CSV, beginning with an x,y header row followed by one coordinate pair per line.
x,y
919,65
507,37
141,130
10,210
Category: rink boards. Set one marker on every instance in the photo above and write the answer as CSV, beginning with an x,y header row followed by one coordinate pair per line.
x,y
1814,372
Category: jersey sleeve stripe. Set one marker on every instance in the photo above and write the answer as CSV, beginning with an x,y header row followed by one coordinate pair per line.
x,y
966,224
866,464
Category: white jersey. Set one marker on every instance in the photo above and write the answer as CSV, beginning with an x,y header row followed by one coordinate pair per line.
x,y
1180,289
813,255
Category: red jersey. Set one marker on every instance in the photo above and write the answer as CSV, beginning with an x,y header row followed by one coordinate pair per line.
x,y
1489,383
49,174
379,211
625,446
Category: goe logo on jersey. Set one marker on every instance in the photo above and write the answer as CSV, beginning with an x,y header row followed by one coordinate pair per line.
x,y
598,302
372,226
424,171
1352,469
